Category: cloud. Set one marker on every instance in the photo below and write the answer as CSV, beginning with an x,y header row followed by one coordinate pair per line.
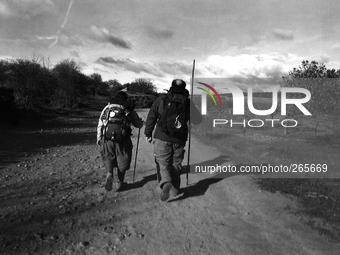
x,y
62,26
322,59
129,65
75,53
336,47
59,37
246,41
44,41
159,33
260,71
176,68
3,57
103,35
272,65
283,35
68,41
108,60
83,64
5,10
67,15
26,9
159,69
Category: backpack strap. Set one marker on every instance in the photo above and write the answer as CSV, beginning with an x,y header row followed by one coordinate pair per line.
x,y
172,104
161,106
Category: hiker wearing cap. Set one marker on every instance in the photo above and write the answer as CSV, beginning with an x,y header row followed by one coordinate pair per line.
x,y
170,114
114,138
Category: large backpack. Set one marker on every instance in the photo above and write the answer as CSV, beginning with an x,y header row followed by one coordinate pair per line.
x,y
173,113
116,123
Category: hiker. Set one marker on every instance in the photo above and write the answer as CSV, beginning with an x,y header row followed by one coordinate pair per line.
x,y
170,135
113,137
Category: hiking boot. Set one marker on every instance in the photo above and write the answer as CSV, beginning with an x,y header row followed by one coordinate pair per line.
x,y
173,192
109,181
120,186
166,191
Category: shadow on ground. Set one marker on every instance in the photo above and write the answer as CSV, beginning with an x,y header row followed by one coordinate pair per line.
x,y
23,141
41,200
201,187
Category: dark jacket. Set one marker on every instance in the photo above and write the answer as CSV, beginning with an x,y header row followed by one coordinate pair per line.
x,y
192,114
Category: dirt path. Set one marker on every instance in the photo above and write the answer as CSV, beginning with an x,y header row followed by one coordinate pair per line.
x,y
53,202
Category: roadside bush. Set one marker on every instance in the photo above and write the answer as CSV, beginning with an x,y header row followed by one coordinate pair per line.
x,y
8,111
324,86
31,83
143,86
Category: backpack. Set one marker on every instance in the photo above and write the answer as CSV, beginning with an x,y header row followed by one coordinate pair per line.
x,y
116,123
173,113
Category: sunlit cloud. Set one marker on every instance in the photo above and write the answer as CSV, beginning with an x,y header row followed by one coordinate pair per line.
x,y
246,65
6,57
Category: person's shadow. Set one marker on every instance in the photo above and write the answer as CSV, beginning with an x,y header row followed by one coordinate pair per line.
x,y
220,160
141,183
153,177
199,188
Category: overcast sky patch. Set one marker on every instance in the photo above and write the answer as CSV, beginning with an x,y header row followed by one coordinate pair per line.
x,y
283,35
160,33
26,9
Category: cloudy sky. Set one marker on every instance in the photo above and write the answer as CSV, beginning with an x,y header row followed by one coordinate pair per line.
x,y
159,40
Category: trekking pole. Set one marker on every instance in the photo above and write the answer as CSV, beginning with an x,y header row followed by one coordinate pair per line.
x,y
134,169
191,97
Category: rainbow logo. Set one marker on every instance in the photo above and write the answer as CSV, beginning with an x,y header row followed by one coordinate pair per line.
x,y
208,86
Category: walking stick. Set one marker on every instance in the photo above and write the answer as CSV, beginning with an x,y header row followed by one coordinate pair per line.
x,y
191,96
134,169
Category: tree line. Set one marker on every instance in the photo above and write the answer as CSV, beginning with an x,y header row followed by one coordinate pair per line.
x,y
31,84
323,84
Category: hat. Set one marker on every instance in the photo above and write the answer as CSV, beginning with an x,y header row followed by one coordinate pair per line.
x,y
121,95
178,83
